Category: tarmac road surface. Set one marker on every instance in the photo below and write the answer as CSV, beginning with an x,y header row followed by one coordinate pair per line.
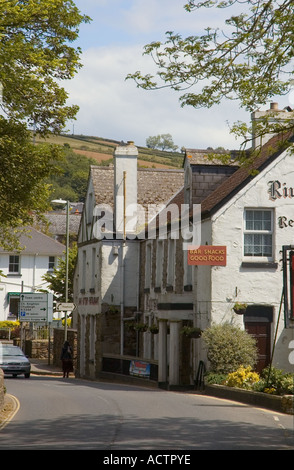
x,y
73,414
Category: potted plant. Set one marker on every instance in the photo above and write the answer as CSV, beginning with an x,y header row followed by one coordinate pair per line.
x,y
240,308
191,331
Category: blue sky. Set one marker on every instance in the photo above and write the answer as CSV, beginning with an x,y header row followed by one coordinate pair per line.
x,y
112,46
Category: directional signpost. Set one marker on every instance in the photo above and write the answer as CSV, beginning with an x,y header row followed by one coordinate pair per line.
x,y
36,307
65,307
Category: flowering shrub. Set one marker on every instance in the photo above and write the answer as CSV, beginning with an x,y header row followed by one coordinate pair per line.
x,y
276,382
243,377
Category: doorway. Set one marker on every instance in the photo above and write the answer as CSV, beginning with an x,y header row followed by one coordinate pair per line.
x,y
257,321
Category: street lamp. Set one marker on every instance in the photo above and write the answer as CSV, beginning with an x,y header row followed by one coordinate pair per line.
x,y
61,201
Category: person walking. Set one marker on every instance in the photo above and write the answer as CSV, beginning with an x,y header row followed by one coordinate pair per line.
x,y
67,359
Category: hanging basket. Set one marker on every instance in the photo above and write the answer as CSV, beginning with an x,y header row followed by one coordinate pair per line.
x,y
154,329
191,332
240,309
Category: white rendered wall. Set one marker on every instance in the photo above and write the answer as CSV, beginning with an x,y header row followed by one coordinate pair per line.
x,y
234,283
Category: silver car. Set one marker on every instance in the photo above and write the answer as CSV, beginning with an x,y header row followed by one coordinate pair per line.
x,y
13,361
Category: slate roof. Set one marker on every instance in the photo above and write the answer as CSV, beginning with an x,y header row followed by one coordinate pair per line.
x,y
57,221
36,242
269,152
155,186
203,156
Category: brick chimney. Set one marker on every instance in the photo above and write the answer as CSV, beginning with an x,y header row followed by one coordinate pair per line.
x,y
125,188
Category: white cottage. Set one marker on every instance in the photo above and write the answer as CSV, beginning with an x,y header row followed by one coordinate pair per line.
x,y
23,270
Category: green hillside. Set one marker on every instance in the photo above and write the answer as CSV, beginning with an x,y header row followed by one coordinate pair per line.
x,y
101,150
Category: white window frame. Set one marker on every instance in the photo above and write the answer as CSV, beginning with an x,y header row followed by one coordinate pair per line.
x,y
51,263
252,257
14,263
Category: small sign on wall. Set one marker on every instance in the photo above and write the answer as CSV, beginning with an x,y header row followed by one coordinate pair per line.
x,y
207,255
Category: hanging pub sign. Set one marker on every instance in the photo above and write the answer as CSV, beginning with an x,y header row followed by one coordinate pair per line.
x,y
207,255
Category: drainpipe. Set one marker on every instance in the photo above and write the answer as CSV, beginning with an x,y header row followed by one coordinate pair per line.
x,y
122,265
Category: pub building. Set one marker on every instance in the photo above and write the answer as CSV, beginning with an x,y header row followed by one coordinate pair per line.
x,y
247,217
151,290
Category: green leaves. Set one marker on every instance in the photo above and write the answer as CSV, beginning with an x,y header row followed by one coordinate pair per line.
x,y
35,57
35,53
24,168
249,60
56,280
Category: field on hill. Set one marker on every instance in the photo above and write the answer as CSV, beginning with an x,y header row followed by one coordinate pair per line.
x,y
101,150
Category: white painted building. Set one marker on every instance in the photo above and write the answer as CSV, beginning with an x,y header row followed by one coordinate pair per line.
x,y
252,215
249,212
23,270
149,280
107,276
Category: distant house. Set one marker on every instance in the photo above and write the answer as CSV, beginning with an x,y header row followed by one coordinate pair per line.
x,y
57,221
23,270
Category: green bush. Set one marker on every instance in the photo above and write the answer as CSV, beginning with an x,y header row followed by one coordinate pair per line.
x,y
215,379
276,382
14,327
229,347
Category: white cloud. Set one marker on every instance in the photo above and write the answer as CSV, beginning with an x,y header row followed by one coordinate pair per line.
x,y
111,107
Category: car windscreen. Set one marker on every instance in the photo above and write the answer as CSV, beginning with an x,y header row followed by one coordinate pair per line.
x,y
10,351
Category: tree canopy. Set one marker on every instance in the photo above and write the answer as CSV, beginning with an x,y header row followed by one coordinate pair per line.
x,y
249,60
56,279
162,141
24,169
35,56
72,179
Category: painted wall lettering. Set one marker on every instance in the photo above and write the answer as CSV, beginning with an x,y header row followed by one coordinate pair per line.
x,y
208,255
278,190
283,222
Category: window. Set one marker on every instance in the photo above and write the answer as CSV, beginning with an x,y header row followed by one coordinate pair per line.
x,y
171,262
159,263
13,264
258,233
51,263
84,271
13,306
148,266
93,265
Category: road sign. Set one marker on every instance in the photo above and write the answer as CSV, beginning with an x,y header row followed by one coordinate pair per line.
x,y
36,307
65,307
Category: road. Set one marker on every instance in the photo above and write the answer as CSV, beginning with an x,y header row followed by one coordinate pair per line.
x,y
68,414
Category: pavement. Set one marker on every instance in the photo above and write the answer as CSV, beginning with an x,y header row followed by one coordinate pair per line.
x,y
41,367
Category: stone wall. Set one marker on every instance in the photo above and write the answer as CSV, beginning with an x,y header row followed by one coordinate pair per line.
x,y
38,348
